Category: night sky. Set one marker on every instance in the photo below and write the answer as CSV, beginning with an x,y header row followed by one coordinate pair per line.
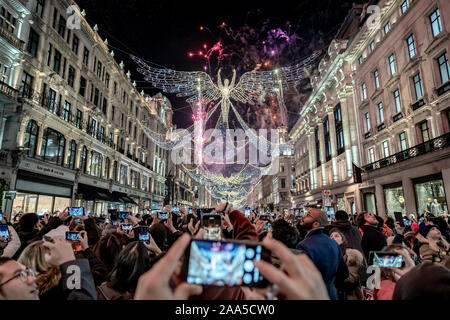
x,y
163,32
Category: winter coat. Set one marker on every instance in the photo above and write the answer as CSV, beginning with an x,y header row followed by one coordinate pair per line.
x,y
351,233
427,253
372,240
326,255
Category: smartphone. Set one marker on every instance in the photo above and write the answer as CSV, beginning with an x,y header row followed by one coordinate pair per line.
x,y
407,222
224,263
247,212
175,209
399,218
123,215
126,227
1,216
76,211
386,259
73,236
77,220
267,226
115,223
163,216
106,220
40,216
4,232
212,227
202,211
190,211
264,217
143,234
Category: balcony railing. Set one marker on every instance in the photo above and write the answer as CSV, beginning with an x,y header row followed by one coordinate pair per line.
x,y
443,89
397,117
418,104
367,135
8,91
11,38
436,144
381,127
299,193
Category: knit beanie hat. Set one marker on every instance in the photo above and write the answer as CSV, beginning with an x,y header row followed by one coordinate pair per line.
x,y
426,229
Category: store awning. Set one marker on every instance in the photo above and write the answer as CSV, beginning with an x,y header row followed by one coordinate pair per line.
x,y
123,197
93,193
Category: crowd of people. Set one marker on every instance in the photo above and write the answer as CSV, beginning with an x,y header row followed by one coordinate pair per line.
x,y
312,258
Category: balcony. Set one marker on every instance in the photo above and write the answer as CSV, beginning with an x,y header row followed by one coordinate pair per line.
x,y
11,38
436,144
397,117
443,89
418,104
381,127
367,135
8,91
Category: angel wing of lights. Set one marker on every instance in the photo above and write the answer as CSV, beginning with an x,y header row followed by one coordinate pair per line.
x,y
184,83
254,83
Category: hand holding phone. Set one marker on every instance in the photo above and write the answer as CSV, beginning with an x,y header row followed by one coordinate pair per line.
x,y
75,239
386,259
76,211
4,232
399,218
126,227
143,234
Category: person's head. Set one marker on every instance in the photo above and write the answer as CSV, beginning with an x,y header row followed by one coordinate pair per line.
x,y
432,232
313,219
389,221
33,257
133,261
16,281
108,249
159,233
341,215
28,222
366,218
430,200
338,236
284,232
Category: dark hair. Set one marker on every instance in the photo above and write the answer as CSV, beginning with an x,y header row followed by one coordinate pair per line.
x,y
133,261
284,232
159,233
344,243
360,220
380,221
4,260
341,215
28,221
390,222
108,249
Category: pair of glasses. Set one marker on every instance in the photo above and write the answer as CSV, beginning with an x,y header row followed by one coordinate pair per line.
x,y
23,275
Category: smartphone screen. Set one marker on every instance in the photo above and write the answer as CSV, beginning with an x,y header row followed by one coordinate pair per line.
x,y
77,220
163,216
126,227
264,217
115,223
220,263
1,216
4,232
407,222
123,215
143,234
175,209
76,211
73,236
386,259
247,212
267,226
190,211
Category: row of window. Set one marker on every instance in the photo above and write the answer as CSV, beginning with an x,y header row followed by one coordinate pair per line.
x,y
53,151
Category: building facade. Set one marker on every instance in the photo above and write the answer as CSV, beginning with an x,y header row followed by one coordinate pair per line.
x,y
73,124
380,102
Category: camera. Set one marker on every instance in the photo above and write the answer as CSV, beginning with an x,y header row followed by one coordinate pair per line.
x,y
123,215
224,263
126,227
76,211
163,216
386,259
143,234
73,236
4,232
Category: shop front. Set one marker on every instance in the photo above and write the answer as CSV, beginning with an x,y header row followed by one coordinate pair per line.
x,y
95,200
41,194
430,194
394,199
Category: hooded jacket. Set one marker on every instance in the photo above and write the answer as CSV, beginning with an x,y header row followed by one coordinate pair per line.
x,y
351,233
372,240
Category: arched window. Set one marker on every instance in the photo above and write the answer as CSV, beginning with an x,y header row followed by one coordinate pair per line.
x,y
107,167
83,160
53,143
96,163
115,171
71,156
31,136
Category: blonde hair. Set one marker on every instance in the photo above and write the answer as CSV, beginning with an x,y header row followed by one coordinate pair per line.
x,y
33,257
